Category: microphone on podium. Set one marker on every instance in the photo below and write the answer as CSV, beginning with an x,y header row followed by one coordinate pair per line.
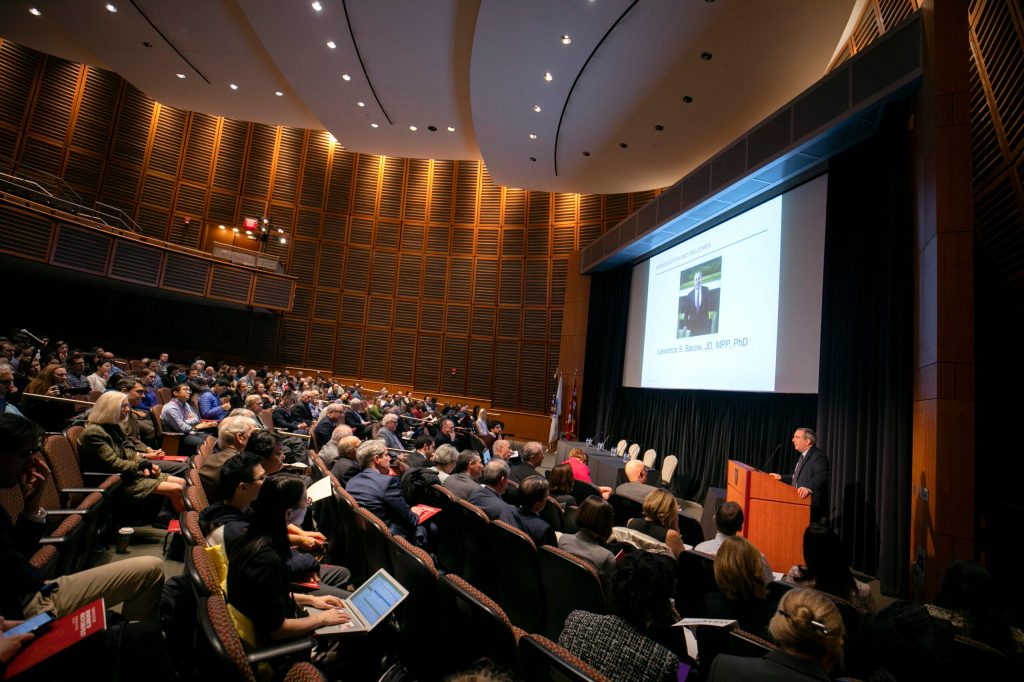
x,y
772,456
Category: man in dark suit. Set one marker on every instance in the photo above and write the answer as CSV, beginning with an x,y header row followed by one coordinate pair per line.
x,y
380,493
697,307
446,436
306,411
360,426
533,495
811,474
465,480
533,457
325,427
488,496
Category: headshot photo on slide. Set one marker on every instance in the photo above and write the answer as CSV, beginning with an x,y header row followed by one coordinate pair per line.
x,y
700,299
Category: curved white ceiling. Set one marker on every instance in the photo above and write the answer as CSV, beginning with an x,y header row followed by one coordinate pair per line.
x,y
477,67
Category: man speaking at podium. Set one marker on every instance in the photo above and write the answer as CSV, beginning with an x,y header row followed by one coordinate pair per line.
x,y
811,474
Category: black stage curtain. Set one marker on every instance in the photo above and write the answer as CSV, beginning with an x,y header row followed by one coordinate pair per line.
x,y
863,415
865,386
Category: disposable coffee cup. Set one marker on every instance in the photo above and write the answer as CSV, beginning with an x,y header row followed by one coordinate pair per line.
x,y
124,538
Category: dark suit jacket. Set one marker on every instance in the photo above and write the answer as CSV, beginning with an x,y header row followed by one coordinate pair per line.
x,y
440,439
209,473
283,419
462,485
382,495
345,470
522,471
302,413
775,665
814,474
539,530
697,319
322,434
491,503
361,428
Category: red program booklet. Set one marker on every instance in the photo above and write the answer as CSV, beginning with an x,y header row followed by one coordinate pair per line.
x,y
424,512
61,634
171,458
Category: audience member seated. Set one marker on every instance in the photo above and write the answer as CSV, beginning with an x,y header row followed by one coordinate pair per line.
x,y
7,390
99,378
826,569
446,434
443,462
388,426
139,426
502,449
465,481
360,426
533,495
661,520
578,461
636,487
619,645
233,434
52,415
212,406
378,491
494,480
329,452
729,521
421,456
78,381
345,465
533,457
178,416
282,415
969,600
560,478
809,632
330,418
225,522
135,583
104,446
595,521
743,590
259,582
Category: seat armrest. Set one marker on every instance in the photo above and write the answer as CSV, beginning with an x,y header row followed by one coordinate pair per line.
x,y
68,512
102,474
85,491
54,541
283,649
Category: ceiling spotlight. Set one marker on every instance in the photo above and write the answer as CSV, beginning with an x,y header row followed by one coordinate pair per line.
x,y
548,77
687,99
623,145
706,56
278,93
451,129
566,39
317,6
536,107
110,8
374,125
35,12
331,44
234,229
220,227
346,77
586,153
432,129
233,86
283,240
533,136
361,104
412,128
659,127
280,231
533,158
180,75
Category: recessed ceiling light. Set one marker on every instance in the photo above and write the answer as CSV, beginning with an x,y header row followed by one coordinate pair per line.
x,y
451,129
233,86
536,107
180,75
533,136
278,93
361,104
317,6
548,77
586,153
234,229
110,7
283,240
706,56
623,145
374,125
412,128
220,227
687,99
432,129
566,39
659,127
35,12
346,77
331,44
533,158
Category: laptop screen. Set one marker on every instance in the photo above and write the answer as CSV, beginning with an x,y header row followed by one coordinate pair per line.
x,y
377,597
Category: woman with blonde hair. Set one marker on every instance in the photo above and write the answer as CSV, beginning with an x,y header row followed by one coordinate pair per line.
x,y
661,520
104,446
740,577
809,631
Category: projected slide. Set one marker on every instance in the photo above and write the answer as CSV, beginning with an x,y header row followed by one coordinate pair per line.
x,y
713,307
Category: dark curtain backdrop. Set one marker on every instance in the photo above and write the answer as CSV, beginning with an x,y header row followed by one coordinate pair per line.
x,y
865,386
863,410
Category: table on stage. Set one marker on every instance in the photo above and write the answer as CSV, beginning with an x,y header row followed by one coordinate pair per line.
x,y
604,464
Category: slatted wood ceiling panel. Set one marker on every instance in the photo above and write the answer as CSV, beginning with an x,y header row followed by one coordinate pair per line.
x,y
407,312
462,239
120,185
261,157
416,190
490,200
185,233
321,345
539,208
294,334
487,241
381,311
303,261
314,169
565,207
133,122
339,190
441,192
454,358
639,199
357,264
483,321
230,153
326,306
289,157
302,305
514,212
511,282
376,354
532,395
223,208
383,270
403,349
506,373
456,319
435,277
367,175
480,368
465,192
83,171
153,221
410,272
346,352
17,70
54,98
157,190
616,207
866,31
1002,55
460,275
331,256
386,236
202,131
513,241
510,322
590,208
25,234
38,154
895,11
431,316
428,358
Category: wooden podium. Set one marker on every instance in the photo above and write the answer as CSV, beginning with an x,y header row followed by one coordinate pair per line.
x,y
774,518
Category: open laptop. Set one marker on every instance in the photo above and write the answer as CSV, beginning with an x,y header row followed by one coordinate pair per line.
x,y
368,605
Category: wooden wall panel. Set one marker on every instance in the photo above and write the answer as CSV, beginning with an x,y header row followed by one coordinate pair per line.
x,y
406,268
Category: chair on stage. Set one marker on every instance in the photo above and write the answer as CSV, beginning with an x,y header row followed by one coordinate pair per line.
x,y
650,458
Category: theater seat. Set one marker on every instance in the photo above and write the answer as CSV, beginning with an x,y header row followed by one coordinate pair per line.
x,y
545,661
470,617
480,567
518,589
451,554
695,577
569,583
374,536
418,614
